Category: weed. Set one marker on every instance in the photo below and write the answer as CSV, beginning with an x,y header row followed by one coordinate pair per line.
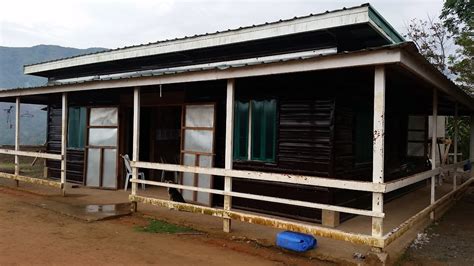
x,y
157,226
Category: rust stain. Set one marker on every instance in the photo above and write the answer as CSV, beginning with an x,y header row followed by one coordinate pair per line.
x,y
377,228
260,220
376,136
31,180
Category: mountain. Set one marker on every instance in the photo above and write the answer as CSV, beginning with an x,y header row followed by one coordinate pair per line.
x,y
32,117
12,60
32,124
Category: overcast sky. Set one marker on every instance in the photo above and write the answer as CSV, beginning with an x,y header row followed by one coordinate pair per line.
x,y
118,23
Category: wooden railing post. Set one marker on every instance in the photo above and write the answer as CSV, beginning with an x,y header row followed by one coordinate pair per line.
x,y
229,143
64,121
136,141
17,138
378,147
455,144
471,145
434,138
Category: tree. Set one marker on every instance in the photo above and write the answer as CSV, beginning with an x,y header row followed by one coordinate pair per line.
x,y
432,39
463,133
458,18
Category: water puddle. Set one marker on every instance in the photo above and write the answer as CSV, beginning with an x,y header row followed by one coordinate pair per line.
x,y
89,212
108,208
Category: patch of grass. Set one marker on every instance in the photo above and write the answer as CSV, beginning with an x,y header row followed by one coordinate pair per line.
x,y
7,163
26,169
162,227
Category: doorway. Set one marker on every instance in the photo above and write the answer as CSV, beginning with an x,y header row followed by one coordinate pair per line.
x,y
160,138
102,148
165,139
178,134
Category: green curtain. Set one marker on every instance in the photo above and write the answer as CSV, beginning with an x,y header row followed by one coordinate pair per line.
x,y
76,127
241,129
264,130
263,114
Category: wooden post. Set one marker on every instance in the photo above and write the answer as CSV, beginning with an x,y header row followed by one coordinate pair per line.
x,y
64,122
434,138
17,138
330,218
471,144
136,141
378,147
229,144
455,144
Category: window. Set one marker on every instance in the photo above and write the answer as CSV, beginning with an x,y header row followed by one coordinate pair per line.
x,y
416,136
76,127
255,130
363,136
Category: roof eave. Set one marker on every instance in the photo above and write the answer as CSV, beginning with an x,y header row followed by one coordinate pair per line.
x,y
404,54
417,64
367,57
322,21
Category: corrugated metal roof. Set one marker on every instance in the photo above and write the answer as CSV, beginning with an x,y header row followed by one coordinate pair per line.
x,y
409,47
178,70
206,34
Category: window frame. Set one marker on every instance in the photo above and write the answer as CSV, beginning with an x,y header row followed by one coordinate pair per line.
x,y
250,129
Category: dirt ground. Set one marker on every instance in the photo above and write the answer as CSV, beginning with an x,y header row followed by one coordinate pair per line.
x,y
450,241
33,235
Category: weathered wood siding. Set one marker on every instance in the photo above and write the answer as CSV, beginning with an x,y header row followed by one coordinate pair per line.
x,y
305,136
346,165
304,146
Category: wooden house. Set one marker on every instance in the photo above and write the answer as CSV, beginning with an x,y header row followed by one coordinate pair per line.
x,y
294,97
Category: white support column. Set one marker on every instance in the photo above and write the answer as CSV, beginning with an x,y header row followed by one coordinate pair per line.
x,y
136,140
229,144
455,144
64,122
378,147
17,137
434,138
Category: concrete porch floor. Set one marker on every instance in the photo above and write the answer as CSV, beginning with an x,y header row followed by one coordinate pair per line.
x,y
397,211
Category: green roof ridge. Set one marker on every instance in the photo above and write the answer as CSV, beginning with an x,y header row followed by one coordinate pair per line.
x,y
384,25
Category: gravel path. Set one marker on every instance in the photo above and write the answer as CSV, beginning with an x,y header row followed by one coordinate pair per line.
x,y
450,241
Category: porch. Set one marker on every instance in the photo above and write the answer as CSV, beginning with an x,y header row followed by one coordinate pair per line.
x,y
382,73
